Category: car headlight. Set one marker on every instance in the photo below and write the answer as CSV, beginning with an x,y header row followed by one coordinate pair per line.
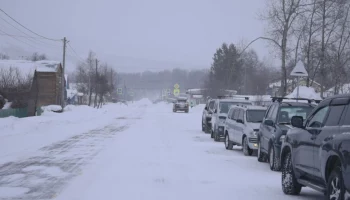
x,y
282,138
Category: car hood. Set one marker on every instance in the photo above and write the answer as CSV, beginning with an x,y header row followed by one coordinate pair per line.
x,y
253,125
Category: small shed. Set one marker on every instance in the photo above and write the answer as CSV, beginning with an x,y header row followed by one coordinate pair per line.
x,y
46,87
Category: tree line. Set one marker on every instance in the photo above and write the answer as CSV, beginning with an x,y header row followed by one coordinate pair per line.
x,y
235,69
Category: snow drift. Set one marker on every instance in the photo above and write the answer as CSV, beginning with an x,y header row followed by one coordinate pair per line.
x,y
305,92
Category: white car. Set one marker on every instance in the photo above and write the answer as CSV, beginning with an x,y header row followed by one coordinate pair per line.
x,y
219,115
241,127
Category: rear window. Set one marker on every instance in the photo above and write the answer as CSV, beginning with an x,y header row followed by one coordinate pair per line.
x,y
255,116
287,112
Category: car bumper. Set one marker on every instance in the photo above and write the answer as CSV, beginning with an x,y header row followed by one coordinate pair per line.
x,y
181,108
253,143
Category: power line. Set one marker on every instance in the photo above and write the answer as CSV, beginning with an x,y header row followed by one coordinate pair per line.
x,y
17,39
28,28
28,37
75,53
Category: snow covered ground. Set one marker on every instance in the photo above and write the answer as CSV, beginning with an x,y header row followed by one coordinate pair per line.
x,y
147,152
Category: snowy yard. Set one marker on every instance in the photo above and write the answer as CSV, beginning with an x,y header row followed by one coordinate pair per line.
x,y
140,151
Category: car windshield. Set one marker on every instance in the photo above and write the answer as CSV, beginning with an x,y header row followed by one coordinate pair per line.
x,y
287,112
181,101
225,106
255,116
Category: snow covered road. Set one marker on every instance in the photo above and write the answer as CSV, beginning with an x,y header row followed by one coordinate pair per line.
x,y
151,154
166,156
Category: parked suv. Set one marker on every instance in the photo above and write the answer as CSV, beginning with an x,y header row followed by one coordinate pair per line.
x,y
241,127
276,123
317,152
181,104
206,116
220,110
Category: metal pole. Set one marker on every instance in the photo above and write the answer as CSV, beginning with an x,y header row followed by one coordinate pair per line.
x,y
297,88
63,69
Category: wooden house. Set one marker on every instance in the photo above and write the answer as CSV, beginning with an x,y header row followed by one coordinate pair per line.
x,y
46,88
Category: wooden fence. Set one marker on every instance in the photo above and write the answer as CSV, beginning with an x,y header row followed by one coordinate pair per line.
x,y
19,112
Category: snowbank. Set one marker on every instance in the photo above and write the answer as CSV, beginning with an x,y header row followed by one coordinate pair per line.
x,y
22,136
144,102
52,108
305,92
7,105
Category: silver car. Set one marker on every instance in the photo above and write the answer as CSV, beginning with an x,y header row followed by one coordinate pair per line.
x,y
219,115
241,127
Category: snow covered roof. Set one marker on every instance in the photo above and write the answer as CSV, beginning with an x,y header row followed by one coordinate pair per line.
x,y
290,81
342,90
305,92
29,67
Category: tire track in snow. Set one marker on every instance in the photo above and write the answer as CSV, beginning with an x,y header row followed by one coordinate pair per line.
x,y
43,176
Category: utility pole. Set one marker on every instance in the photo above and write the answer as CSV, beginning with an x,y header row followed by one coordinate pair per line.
x,y
63,73
95,102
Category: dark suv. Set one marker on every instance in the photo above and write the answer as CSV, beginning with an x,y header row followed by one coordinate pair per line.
x,y
276,123
206,116
317,152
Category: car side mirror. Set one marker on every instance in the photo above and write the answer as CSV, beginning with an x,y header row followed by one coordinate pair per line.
x,y
269,122
240,121
297,121
206,108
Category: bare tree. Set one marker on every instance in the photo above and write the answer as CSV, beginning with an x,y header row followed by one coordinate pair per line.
x,y
281,15
4,56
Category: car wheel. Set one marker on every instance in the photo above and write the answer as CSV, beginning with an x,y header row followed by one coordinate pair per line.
x,y
261,157
212,134
335,185
228,143
290,185
216,137
274,159
203,127
246,150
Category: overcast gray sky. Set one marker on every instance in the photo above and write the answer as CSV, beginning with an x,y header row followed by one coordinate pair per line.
x,y
135,35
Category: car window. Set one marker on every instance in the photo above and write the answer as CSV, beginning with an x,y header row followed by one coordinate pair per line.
x,y
211,105
229,113
269,115
316,121
347,117
241,115
287,112
235,117
334,115
233,113
274,114
255,116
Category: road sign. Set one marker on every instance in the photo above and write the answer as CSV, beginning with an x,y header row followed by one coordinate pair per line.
x,y
120,91
176,86
176,92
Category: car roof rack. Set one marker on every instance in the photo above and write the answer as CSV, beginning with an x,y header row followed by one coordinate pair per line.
x,y
280,99
232,96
